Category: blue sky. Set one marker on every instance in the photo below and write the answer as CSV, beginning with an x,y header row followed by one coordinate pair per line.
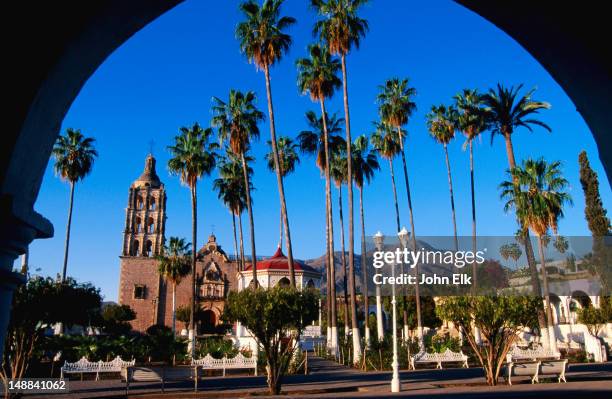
x,y
165,76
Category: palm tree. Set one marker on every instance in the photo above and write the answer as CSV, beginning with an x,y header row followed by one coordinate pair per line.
x,y
174,265
341,28
74,158
395,106
470,122
288,157
441,125
505,112
237,121
322,140
230,187
365,163
318,76
536,191
193,157
263,41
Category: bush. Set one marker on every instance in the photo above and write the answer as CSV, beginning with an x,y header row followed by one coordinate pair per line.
x,y
217,347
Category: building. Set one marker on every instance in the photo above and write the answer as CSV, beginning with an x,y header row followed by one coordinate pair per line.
x,y
140,285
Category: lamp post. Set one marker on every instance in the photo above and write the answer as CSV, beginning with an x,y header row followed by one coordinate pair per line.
x,y
379,240
403,238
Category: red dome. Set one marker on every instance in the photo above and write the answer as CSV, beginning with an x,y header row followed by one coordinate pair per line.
x,y
279,261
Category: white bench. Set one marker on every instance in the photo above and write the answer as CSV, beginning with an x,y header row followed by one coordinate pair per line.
x,y
535,369
448,356
237,362
83,366
161,375
540,353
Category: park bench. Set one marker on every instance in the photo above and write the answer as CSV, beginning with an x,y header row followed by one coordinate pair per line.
x,y
237,362
161,375
554,367
535,369
539,353
84,366
448,356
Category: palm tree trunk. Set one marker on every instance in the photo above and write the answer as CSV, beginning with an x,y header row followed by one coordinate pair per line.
x,y
549,317
364,271
174,308
397,215
251,221
279,178
280,228
331,271
194,239
351,228
67,242
452,197
235,239
529,253
241,241
343,257
474,274
417,296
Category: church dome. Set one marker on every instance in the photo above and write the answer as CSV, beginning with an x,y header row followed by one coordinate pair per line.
x,y
279,261
149,177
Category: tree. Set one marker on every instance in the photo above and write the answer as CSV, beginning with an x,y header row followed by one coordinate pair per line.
x,y
74,158
322,140
471,123
37,305
230,187
511,251
365,163
598,221
318,76
193,157
441,124
395,107
275,317
594,318
504,112
498,318
288,159
116,318
237,121
174,265
536,193
341,28
263,41
561,244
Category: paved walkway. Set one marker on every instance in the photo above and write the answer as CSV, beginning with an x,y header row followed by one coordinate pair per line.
x,y
330,380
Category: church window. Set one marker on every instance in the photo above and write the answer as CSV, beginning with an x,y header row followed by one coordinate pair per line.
x,y
152,204
138,225
140,291
148,248
284,282
139,202
150,226
135,248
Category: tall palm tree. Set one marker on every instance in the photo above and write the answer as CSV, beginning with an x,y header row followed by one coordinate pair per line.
x,y
193,157
505,111
338,173
237,121
341,28
470,122
318,76
74,158
174,265
289,158
263,41
441,124
365,162
395,106
536,191
322,140
230,187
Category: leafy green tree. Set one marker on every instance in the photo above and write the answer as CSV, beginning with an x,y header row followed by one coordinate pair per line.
x,y
275,317
537,193
116,319
74,158
498,318
174,266
594,318
561,244
341,28
237,121
288,159
193,157
263,40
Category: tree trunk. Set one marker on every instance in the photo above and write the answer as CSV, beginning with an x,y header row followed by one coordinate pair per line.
x,y
194,240
417,296
329,223
251,221
548,310
397,214
174,308
67,242
364,271
452,197
474,274
241,241
279,178
280,228
343,257
351,228
235,239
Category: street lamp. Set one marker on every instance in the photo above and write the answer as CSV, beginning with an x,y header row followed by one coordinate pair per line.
x,y
395,381
403,237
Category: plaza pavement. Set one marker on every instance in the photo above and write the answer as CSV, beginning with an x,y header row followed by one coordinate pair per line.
x,y
330,380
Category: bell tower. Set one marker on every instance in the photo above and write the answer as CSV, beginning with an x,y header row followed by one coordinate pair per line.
x,y
145,215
